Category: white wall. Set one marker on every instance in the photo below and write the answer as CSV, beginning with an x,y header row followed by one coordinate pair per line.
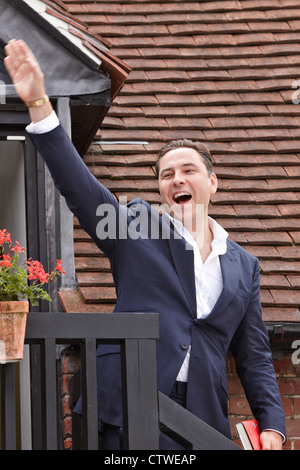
x,y
12,190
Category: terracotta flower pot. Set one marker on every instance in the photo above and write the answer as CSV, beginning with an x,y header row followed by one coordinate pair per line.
x,y
13,316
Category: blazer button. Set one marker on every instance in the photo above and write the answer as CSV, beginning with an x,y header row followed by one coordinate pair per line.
x,y
184,346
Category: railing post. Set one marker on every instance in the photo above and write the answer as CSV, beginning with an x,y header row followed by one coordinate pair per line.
x,y
140,414
8,411
50,393
89,394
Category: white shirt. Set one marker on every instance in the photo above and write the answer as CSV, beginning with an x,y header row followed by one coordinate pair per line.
x,y
208,277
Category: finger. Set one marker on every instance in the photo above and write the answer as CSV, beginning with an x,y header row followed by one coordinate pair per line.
x,y
13,50
19,52
11,66
14,67
14,58
21,61
266,446
265,441
27,53
9,47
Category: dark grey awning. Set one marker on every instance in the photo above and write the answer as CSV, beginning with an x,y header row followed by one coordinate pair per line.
x,y
68,71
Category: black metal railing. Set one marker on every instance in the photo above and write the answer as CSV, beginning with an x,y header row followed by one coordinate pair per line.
x,y
186,428
144,409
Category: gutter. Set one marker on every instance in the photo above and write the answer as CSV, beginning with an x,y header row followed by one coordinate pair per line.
x,y
283,332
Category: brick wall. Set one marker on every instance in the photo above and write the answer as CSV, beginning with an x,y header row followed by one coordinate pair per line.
x,y
70,365
288,375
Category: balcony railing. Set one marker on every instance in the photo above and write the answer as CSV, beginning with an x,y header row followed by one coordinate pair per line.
x,y
144,409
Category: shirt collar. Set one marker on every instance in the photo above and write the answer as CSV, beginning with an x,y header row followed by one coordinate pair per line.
x,y
219,243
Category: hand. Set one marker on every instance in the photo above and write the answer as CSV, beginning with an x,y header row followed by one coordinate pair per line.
x,y
271,440
24,71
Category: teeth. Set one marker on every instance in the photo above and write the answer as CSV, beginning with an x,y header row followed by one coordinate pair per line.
x,y
178,197
181,195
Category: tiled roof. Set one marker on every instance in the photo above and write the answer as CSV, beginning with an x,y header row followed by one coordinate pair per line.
x,y
223,72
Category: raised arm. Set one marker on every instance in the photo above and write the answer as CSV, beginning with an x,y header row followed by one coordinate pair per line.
x,y
84,195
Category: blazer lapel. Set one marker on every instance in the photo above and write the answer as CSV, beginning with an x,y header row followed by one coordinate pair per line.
x,y
230,267
183,259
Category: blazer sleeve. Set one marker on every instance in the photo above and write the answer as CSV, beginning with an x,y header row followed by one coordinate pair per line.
x,y
254,364
89,201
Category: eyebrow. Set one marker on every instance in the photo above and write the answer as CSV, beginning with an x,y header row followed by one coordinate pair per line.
x,y
183,165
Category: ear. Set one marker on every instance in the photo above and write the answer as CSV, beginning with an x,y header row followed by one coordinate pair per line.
x,y
213,184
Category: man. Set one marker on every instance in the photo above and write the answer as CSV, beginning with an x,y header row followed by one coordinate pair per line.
x,y
203,285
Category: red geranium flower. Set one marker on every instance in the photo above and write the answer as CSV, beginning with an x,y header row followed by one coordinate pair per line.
x,y
17,248
6,261
36,272
14,277
59,266
4,237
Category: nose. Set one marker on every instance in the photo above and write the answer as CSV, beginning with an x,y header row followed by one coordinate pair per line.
x,y
178,178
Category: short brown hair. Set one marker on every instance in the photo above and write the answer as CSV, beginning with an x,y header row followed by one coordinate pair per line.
x,y
201,148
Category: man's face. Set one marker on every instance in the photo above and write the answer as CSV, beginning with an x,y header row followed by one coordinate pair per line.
x,y
184,183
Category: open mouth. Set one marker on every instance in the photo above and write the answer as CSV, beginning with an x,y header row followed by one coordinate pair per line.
x,y
182,198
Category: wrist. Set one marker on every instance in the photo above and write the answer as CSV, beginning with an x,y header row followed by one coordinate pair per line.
x,y
38,102
39,112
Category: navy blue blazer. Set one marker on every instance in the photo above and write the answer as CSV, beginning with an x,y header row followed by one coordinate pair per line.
x,y
157,275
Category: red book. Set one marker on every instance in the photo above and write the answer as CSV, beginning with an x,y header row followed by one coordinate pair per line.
x,y
249,433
